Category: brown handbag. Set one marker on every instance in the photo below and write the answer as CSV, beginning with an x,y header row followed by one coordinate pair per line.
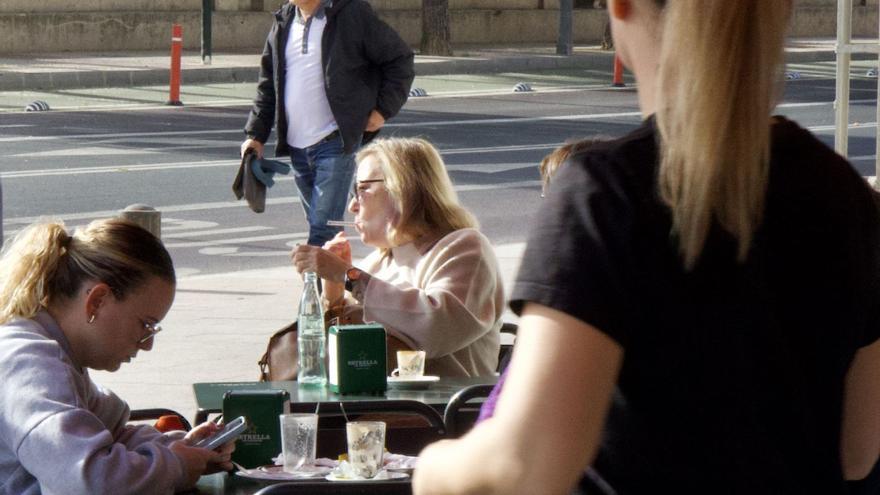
x,y
279,362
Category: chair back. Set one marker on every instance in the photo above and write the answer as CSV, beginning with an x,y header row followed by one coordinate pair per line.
x,y
506,350
460,414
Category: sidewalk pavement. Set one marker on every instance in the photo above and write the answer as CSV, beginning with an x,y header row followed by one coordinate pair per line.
x,y
117,69
220,324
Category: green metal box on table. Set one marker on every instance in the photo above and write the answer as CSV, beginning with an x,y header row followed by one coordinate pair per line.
x,y
357,359
261,441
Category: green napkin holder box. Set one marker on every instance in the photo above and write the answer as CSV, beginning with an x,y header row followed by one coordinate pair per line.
x,y
357,360
261,441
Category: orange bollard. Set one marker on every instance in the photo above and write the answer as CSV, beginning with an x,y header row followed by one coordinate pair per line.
x,y
176,47
618,73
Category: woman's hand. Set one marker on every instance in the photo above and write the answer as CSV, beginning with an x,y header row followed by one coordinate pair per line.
x,y
323,262
198,461
340,246
217,463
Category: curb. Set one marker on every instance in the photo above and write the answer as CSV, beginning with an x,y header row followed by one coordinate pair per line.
x,y
466,64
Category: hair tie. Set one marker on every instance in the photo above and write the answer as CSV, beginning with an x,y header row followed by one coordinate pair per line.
x,y
65,240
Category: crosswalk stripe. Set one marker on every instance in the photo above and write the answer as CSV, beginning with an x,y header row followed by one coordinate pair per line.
x,y
238,240
206,232
238,204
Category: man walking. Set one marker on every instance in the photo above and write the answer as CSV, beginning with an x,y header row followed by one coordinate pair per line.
x,y
331,74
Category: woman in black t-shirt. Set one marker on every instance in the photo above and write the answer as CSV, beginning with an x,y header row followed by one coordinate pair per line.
x,y
719,266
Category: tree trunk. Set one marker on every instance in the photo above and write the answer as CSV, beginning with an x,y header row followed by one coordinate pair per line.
x,y
435,28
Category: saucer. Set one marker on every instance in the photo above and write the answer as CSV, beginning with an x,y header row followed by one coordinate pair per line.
x,y
277,473
414,383
382,476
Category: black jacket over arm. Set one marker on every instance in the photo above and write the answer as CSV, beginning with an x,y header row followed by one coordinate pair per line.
x,y
366,66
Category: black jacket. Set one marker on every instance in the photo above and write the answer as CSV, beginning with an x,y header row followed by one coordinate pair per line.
x,y
366,66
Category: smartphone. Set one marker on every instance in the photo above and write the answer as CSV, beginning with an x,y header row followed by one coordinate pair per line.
x,y
230,432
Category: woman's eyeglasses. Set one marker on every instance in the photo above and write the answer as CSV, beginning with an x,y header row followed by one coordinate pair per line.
x,y
357,193
152,328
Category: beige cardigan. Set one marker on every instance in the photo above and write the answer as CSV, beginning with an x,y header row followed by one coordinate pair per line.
x,y
444,297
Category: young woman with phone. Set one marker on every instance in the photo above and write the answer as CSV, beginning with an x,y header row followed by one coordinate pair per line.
x,y
68,303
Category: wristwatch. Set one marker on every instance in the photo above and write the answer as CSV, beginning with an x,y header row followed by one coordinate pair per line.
x,y
352,275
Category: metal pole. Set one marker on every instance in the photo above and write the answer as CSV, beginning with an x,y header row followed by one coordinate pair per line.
x,y
564,43
841,99
207,15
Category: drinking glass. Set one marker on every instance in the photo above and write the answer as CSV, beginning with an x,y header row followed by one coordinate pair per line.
x,y
366,445
299,434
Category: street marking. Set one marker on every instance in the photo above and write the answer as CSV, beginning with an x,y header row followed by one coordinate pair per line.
x,y
119,107
197,233
116,136
160,149
218,251
237,131
491,168
435,123
260,254
177,224
500,149
18,174
237,204
510,120
117,168
832,127
821,103
446,152
238,240
538,88
89,151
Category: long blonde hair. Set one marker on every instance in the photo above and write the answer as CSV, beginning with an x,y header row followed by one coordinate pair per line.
x,y
718,83
43,264
420,188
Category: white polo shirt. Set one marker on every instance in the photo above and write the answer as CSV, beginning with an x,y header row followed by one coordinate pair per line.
x,y
309,118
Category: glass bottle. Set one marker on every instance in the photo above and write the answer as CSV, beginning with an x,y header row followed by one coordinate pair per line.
x,y
311,340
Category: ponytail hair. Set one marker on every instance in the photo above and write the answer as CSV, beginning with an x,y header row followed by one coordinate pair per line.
x,y
718,81
44,264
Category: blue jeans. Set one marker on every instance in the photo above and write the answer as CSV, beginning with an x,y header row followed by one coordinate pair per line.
x,y
323,175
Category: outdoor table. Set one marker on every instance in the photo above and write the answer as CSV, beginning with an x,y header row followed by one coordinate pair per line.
x,y
209,395
403,438
229,484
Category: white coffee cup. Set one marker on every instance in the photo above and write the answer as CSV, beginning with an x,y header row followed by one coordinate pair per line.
x,y
410,364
